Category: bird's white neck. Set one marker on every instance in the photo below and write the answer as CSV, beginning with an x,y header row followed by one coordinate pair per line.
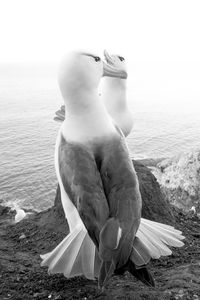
x,y
114,94
81,103
86,119
115,101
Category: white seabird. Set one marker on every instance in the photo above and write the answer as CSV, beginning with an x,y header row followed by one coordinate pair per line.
x,y
99,188
113,93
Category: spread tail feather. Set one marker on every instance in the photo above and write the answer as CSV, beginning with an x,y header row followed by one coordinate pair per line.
x,y
157,237
74,256
77,255
140,255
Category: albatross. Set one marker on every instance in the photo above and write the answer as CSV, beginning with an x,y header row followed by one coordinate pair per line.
x,y
99,187
113,94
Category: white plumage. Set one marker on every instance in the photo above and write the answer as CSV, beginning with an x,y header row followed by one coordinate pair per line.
x,y
114,95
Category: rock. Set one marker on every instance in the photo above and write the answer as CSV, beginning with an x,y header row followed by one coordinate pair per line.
x,y
150,162
6,214
20,215
4,210
154,205
179,178
22,236
54,217
40,295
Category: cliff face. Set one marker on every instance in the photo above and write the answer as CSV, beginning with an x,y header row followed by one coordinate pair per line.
x,y
179,178
154,204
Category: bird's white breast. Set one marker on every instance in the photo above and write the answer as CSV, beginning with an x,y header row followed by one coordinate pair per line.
x,y
85,128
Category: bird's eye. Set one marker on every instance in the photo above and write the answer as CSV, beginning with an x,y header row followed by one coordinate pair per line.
x,y
97,58
121,58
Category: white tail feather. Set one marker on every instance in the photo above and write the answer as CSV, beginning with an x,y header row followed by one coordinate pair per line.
x,y
156,241
162,226
140,254
169,237
153,250
85,259
157,236
52,257
74,256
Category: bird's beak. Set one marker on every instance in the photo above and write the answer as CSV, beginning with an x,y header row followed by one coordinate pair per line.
x,y
112,71
108,58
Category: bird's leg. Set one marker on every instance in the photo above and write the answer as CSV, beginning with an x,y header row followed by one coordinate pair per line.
x,y
101,290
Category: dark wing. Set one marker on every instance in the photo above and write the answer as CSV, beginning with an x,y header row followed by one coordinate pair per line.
x,y
83,184
122,192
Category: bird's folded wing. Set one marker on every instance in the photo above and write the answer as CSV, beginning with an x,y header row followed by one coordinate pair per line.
x,y
76,254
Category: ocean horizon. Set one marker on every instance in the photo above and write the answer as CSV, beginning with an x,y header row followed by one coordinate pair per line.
x,y
165,124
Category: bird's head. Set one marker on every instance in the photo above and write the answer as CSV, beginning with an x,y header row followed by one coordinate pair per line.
x,y
115,60
82,71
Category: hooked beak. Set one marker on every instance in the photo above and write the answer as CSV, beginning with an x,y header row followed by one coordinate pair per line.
x,y
108,58
112,71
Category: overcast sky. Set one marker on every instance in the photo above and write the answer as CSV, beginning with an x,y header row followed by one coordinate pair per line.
x,y
160,39
41,30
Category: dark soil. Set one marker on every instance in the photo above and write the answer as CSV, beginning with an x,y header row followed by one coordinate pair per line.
x,y
22,278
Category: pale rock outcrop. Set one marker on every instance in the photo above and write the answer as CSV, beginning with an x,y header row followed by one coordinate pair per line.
x,y
179,178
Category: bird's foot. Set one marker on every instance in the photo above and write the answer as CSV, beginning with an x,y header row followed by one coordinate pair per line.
x,y
101,290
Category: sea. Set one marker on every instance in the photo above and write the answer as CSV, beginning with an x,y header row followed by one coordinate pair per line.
x,y
165,123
